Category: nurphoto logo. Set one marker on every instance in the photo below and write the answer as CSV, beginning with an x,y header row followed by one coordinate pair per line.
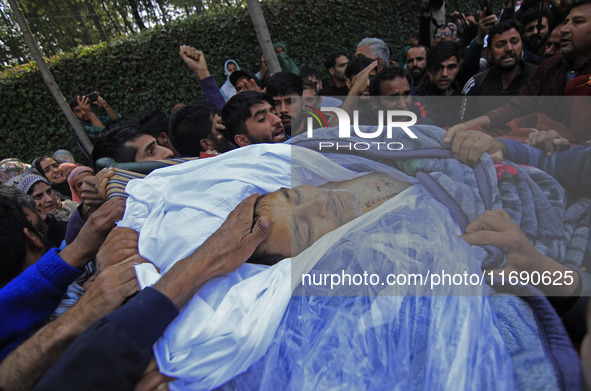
x,y
401,119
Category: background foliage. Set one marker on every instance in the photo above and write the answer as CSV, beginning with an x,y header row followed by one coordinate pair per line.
x,y
145,70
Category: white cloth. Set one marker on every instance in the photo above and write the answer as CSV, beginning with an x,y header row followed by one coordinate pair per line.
x,y
229,324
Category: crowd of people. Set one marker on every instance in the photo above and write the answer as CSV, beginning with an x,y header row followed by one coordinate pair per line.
x,y
73,315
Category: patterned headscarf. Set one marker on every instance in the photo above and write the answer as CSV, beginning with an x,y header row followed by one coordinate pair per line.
x,y
26,181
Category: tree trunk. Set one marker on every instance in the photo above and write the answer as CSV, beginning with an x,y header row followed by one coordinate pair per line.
x,y
136,14
263,36
115,26
96,20
48,77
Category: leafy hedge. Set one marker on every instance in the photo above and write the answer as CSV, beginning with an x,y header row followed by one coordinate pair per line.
x,y
145,70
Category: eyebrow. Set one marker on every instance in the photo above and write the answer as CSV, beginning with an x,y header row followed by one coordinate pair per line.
x,y
259,112
149,146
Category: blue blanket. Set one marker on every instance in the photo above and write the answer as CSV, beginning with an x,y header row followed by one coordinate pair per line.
x,y
360,340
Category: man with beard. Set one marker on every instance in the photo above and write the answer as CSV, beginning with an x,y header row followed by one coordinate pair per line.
x,y
286,89
416,63
506,75
250,117
534,36
551,78
335,65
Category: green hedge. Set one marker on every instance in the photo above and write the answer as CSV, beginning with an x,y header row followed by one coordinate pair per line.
x,y
145,70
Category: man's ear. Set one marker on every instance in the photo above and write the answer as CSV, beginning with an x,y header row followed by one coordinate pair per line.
x,y
32,239
348,83
331,71
241,140
163,139
380,63
207,144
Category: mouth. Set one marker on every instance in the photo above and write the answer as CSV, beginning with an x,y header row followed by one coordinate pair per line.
x,y
278,135
285,119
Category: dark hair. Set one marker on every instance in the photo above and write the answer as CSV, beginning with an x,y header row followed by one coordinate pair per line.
x,y
189,125
310,85
12,239
73,103
441,52
417,46
501,27
112,142
284,83
356,65
389,73
331,60
308,72
37,164
153,121
532,14
237,110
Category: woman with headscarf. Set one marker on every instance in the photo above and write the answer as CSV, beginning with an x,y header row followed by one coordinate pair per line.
x,y
286,63
50,169
227,89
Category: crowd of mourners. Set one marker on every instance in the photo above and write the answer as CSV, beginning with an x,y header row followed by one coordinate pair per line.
x,y
68,270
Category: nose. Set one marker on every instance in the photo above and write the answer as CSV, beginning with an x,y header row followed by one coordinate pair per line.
x,y
275,120
165,153
283,107
444,71
46,200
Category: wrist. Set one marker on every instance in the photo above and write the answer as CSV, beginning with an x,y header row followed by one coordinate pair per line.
x,y
76,255
202,74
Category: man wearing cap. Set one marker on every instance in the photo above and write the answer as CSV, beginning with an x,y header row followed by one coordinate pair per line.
x,y
244,81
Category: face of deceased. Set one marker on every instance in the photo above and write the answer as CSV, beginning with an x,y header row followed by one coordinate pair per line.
x,y
302,215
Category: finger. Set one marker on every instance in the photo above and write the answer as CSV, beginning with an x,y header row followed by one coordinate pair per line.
x,y
481,145
549,146
561,143
456,146
451,132
487,238
260,231
495,220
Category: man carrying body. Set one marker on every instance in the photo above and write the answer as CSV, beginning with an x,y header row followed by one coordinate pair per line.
x,y
126,142
250,118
